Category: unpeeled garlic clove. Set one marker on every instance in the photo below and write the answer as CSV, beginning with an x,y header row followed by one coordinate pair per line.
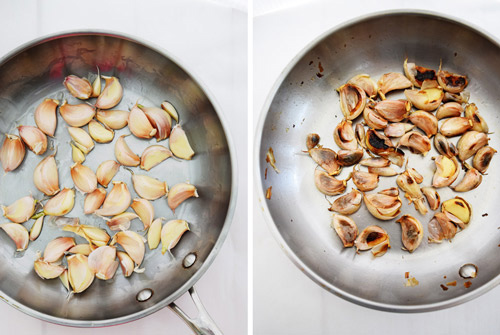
x,y
359,133
327,159
82,139
154,234
45,116
46,176
34,138
170,109
76,115
327,184
382,146
121,221
145,210
20,210
56,248
106,171
447,171
415,175
373,119
102,261
132,243
80,275
148,187
76,154
113,119
64,279
126,263
366,83
459,208
398,129
370,237
409,185
46,270
483,158
18,234
478,123
383,205
345,228
100,133
441,227
94,200
84,178
449,109
418,74
364,181
352,100
426,121
393,110
412,232
380,249
36,228
416,142
94,235
451,82
427,100
61,204
179,193
432,197
393,192
84,249
312,141
444,147
139,124
124,155
179,143
392,81
171,233
461,98
375,162
344,136
347,204
117,200
160,120
383,171
96,85
470,181
455,126
12,152
349,157
470,143
154,155
111,95
78,87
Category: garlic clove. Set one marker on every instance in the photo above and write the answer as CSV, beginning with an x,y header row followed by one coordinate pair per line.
x,y
416,142
441,227
393,110
18,234
392,81
113,119
470,181
382,205
444,147
359,133
12,152
102,261
455,126
380,249
478,123
34,138
459,208
132,243
373,119
80,275
78,87
364,181
483,158
145,210
36,228
94,200
179,143
148,187
154,155
327,184
154,234
426,121
461,98
370,237
171,233
179,193
415,175
124,155
393,191
382,171
46,176
449,109
84,249
100,133
170,109
347,204
126,263
84,178
139,124
412,232
418,74
56,248
61,204
470,143
327,159
432,197
366,83
46,270
382,146
111,95
96,85
45,116
398,129
345,228
378,162
352,100
82,139
344,136
106,171
94,235
117,200
451,82
64,279
447,171
160,120
427,100
76,154
76,115
349,157
121,221
312,141
409,185
20,210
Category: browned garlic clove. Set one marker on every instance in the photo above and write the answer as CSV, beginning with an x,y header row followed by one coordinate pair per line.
x,y
154,234
455,126
139,124
393,110
17,233
179,144
46,270
427,100
113,119
349,157
415,175
417,74
383,171
412,191
327,184
364,181
449,109
111,95
20,210
451,82
441,227
366,83
398,129
390,82
412,232
470,181
470,143
352,100
154,155
345,228
373,119
117,200
12,152
312,140
84,178
179,193
171,233
160,120
416,142
56,248
447,171
102,261
327,159
45,116
384,205
100,133
34,138
94,200
370,237
432,197
359,133
458,208
170,109
478,123
378,162
344,136
382,146
393,192
347,204
61,204
426,121
145,210
444,147
132,243
124,155
76,115
78,87
483,158
461,98
106,171
80,276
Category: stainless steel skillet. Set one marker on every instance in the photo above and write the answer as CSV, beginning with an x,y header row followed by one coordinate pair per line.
x,y
304,100
35,71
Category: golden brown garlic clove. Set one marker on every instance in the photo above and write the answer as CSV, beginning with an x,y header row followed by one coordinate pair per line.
x,y
377,162
392,81
418,74
34,138
478,123
344,136
427,100
412,232
398,129
451,82
426,121
412,191
441,227
470,181
447,171
384,205
382,146
312,140
364,181
383,171
482,158
45,116
78,87
416,142
12,152
470,143
449,109
349,157
345,228
366,83
359,133
373,119
327,184
393,110
459,209
444,147
393,192
415,175
370,237
352,100
455,126
327,159
380,249
432,197
347,204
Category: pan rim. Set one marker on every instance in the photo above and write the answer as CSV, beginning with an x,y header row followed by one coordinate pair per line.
x,y
233,191
260,194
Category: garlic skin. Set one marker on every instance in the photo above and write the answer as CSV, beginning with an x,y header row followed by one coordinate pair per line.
x,y
160,120
370,237
447,171
455,126
154,155
56,248
34,138
373,119
82,139
126,263
102,261
36,228
139,124
46,270
78,87
117,200
312,141
418,74
432,197
121,221
76,154
111,95
482,158
451,82
148,187
364,181
20,210
352,100
449,109
393,110
347,204
145,210
124,155
359,133
154,234
470,181
425,121
12,152
94,200
390,82
382,171
106,172
170,109
18,234
84,178
416,142
441,227
171,233
345,228
366,83
179,143
80,275
398,129
327,159
478,123
470,143
327,184
46,176
383,206
76,115
344,136
412,232
45,116
60,204
113,119
427,100
179,193
132,243
100,133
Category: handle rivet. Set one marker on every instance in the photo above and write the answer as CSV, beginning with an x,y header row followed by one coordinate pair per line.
x,y
189,260
144,295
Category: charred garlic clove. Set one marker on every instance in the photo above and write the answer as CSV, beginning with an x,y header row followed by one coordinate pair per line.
x,y
384,205
483,158
470,181
461,98
327,184
370,237
478,123
366,83
383,171
364,181
412,191
398,129
455,126
440,228
382,146
349,157
392,81
393,110
377,162
449,109
444,147
345,228
373,119
427,100
470,143
344,136
432,197
451,82
327,159
352,100
458,208
447,171
359,133
347,204
312,141
412,232
426,121
417,74
416,142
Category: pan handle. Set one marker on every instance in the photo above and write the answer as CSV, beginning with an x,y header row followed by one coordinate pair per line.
x,y
203,323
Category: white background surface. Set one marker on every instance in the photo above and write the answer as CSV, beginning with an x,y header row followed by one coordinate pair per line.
x,y
285,300
210,39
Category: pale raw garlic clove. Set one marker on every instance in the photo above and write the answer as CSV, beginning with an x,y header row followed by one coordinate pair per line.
x,y
370,237
76,154
451,82
327,184
345,228
470,181
20,210
382,146
93,235
347,204
364,181
154,155
398,129
352,100
327,159
139,124
18,234
64,279
80,275
432,197
458,210
160,120
383,171
148,187
409,185
455,126
111,95
36,229
46,117
78,87
84,178
349,157
171,233
82,139
393,110
440,228
170,109
56,248
373,119
96,85
179,144
444,147
418,74
94,200
46,176
117,200
102,261
416,142
483,158
412,232
383,205
12,152
378,162
106,172
60,204
312,140
113,119
84,249
427,100
145,210
470,143
426,121
344,136
179,193
132,243
121,221
126,263
34,138
366,83
392,81
100,133
46,270
359,133
76,115
449,109
447,171
154,234
478,123
124,155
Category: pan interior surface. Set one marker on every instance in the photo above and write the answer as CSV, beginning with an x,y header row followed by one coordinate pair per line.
x,y
305,101
36,72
